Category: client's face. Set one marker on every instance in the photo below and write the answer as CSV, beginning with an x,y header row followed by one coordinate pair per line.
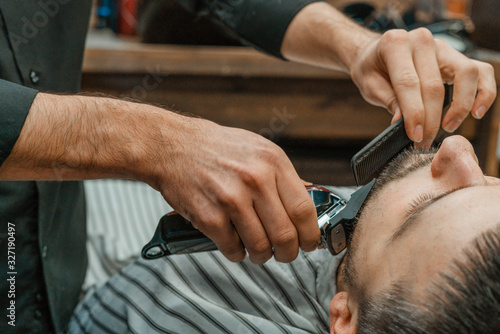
x,y
414,226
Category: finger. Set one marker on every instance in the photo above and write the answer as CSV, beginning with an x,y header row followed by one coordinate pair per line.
x,y
299,208
397,114
306,183
219,229
253,234
431,84
396,53
282,233
464,74
486,87
378,91
464,92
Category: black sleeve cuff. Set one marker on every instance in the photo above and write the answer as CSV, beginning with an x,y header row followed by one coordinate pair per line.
x,y
16,102
260,23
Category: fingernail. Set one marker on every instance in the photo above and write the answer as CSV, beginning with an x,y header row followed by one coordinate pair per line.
x,y
480,112
418,134
452,125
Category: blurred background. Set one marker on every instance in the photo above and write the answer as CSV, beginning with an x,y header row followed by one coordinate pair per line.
x,y
156,51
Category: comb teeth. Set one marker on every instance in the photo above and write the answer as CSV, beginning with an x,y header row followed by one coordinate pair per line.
x,y
370,160
379,151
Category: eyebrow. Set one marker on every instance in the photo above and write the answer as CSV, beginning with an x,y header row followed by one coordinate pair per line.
x,y
412,219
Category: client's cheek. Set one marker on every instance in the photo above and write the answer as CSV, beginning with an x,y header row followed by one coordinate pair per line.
x,y
371,265
376,276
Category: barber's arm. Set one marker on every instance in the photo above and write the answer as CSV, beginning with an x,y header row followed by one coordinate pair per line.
x,y
259,23
402,71
235,186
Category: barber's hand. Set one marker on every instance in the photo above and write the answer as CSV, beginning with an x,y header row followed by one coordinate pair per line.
x,y
235,186
240,190
404,72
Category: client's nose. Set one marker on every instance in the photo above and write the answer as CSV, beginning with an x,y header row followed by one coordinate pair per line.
x,y
456,163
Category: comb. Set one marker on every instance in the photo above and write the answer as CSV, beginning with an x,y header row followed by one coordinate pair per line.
x,y
372,158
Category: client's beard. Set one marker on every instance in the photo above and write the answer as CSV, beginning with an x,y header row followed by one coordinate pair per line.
x,y
402,165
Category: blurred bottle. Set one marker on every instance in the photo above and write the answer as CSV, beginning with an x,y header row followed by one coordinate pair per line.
x,y
457,9
107,14
127,17
428,11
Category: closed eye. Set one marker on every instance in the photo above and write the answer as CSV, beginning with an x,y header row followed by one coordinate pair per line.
x,y
420,204
417,202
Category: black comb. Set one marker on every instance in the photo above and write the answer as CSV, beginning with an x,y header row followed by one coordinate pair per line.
x,y
372,158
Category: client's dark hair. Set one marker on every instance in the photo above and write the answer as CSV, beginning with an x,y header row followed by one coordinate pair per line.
x,y
465,301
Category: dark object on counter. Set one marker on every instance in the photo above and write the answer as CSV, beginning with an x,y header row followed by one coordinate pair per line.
x,y
484,14
455,32
167,22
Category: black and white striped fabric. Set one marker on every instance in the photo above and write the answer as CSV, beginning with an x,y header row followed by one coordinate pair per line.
x,y
205,293
198,293
121,218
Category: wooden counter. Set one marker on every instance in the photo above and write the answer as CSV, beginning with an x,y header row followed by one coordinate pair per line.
x,y
316,115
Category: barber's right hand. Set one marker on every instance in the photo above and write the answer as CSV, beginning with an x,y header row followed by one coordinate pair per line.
x,y
237,188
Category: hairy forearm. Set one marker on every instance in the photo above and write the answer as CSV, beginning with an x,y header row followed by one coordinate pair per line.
x,y
320,35
81,137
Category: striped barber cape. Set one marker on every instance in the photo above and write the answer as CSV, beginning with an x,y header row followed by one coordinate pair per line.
x,y
206,293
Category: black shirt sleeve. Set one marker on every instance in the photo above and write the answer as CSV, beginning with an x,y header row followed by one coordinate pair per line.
x,y
16,103
260,23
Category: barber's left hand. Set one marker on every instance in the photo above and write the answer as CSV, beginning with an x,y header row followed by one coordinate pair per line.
x,y
404,72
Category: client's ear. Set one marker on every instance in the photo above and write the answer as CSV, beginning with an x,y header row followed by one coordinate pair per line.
x,y
341,318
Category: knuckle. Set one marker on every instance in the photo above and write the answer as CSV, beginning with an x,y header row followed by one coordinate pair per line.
x,y
230,198
302,210
434,88
470,70
253,177
490,94
423,35
264,165
259,254
485,68
285,238
394,36
487,96
407,80
274,155
259,248
488,68
310,238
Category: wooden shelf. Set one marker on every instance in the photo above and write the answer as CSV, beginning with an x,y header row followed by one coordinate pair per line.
x,y
317,115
